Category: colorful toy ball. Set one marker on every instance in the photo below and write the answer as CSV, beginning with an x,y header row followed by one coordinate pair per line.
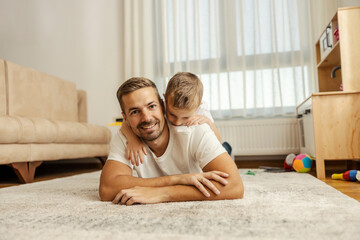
x,y
302,163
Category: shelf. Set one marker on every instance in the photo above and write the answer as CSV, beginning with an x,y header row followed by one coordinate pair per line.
x,y
332,58
335,93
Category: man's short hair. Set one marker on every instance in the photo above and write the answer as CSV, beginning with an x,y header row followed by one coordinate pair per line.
x,y
184,91
132,85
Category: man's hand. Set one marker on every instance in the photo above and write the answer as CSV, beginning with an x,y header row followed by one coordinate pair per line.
x,y
201,180
140,195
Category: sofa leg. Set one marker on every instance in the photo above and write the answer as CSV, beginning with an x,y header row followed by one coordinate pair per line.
x,y
102,160
21,170
25,170
32,169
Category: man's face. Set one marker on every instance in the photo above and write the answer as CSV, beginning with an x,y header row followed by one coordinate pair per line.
x,y
144,113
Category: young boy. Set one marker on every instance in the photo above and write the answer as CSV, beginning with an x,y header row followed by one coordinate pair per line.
x,y
183,98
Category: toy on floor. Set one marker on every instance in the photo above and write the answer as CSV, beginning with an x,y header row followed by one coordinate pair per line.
x,y
351,175
289,161
250,173
301,163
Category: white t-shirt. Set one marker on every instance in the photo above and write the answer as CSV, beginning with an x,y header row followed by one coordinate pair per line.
x,y
189,150
203,110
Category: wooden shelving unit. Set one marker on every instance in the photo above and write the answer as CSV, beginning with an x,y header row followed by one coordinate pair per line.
x,y
328,58
336,113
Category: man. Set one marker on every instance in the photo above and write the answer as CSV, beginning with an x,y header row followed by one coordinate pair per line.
x,y
182,164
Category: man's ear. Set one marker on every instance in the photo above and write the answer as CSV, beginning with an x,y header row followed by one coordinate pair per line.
x,y
124,116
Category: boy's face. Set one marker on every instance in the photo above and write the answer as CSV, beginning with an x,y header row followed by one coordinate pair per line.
x,y
176,116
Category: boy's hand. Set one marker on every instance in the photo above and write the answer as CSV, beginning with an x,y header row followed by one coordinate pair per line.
x,y
135,151
197,120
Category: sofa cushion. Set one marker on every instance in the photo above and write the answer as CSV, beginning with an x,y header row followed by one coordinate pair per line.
x,y
35,94
26,130
10,153
2,89
39,130
72,132
56,151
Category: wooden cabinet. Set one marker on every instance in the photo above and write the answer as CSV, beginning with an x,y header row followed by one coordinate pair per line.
x,y
336,113
336,117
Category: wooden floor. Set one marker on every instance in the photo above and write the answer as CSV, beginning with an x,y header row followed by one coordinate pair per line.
x,y
352,189
64,168
51,169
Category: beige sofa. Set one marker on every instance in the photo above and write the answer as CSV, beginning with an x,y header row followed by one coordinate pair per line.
x,y
43,118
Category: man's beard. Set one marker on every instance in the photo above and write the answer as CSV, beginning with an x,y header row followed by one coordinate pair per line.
x,y
150,137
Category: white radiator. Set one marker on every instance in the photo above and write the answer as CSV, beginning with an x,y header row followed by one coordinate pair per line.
x,y
261,136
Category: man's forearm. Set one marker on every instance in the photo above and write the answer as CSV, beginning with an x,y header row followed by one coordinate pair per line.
x,y
203,183
148,195
109,188
220,180
176,193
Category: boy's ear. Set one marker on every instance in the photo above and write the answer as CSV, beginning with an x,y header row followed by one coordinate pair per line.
x,y
162,105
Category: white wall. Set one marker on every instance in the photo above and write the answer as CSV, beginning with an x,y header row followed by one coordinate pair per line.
x,y
78,41
322,12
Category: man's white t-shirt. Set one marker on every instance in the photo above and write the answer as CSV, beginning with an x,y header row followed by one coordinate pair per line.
x,y
189,150
203,110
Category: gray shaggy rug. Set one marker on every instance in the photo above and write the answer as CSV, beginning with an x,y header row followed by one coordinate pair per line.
x,y
275,206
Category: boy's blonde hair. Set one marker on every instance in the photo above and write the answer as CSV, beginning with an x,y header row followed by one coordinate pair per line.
x,y
184,91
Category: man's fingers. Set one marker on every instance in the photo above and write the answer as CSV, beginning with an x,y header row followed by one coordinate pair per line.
x,y
202,189
223,174
129,202
216,177
210,185
117,198
125,197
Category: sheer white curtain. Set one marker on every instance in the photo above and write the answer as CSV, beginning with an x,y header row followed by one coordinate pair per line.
x,y
253,56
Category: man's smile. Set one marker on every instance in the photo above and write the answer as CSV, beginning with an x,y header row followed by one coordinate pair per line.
x,y
147,126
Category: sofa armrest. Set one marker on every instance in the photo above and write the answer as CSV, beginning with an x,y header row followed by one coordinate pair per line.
x,y
3,100
82,105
